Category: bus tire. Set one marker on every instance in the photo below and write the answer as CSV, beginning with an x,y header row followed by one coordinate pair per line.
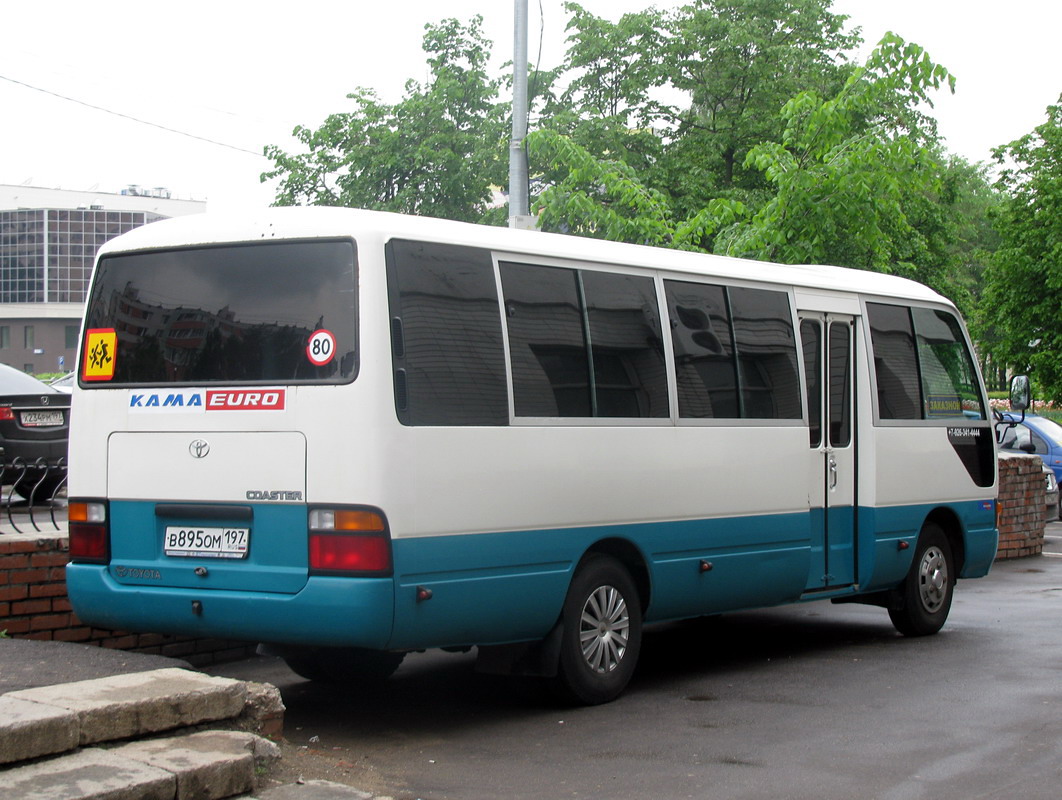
x,y
927,590
601,633
341,665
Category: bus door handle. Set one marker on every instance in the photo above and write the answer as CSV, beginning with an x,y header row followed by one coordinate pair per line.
x,y
833,472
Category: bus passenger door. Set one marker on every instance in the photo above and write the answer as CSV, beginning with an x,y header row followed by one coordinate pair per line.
x,y
829,364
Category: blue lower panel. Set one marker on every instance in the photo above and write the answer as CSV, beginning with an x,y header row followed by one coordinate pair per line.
x,y
883,564
502,587
327,611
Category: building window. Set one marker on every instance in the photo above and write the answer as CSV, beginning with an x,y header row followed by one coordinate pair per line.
x,y
5,337
28,340
71,337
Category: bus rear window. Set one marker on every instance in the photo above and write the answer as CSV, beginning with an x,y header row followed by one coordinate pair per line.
x,y
255,313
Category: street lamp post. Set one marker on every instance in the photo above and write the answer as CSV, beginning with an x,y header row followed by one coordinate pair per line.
x,y
519,216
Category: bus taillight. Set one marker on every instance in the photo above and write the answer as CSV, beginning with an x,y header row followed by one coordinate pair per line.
x,y
88,532
351,541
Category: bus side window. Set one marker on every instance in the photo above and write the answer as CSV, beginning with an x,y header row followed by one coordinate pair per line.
x,y
446,335
705,371
584,343
766,348
895,362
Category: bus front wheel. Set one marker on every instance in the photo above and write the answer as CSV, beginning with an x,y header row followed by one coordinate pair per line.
x,y
927,590
602,633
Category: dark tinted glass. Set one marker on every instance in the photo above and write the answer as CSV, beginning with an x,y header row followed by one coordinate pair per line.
x,y
446,335
895,362
949,380
630,379
547,342
766,349
242,313
840,389
704,352
811,338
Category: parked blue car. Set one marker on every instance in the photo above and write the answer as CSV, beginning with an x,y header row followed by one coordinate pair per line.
x,y
1037,435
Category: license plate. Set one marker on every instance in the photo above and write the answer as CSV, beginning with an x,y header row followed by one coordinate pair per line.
x,y
207,542
42,419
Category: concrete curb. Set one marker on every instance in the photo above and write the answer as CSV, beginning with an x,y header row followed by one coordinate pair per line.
x,y
209,765
107,709
41,730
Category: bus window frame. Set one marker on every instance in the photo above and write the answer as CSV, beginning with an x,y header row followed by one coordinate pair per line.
x,y
922,422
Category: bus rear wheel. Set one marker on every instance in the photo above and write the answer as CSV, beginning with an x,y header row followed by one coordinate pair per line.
x,y
340,665
927,590
602,633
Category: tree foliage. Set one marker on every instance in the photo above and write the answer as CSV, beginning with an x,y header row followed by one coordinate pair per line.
x,y
436,152
736,126
1018,316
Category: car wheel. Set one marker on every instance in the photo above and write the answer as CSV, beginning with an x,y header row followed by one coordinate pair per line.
x,y
928,588
601,633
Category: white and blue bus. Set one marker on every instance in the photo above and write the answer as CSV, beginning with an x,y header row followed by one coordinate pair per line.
x,y
350,435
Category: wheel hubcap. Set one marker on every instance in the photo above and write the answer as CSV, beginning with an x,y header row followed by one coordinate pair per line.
x,y
603,629
933,579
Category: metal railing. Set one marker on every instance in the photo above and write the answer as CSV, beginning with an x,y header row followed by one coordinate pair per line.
x,y
41,486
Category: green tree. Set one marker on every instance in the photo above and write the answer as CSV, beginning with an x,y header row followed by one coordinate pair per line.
x,y
1017,318
739,62
436,152
852,173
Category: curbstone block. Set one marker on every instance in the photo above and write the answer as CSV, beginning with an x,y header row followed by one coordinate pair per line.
x,y
123,706
29,730
91,774
208,765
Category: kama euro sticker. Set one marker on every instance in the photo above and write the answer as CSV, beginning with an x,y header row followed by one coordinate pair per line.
x,y
101,346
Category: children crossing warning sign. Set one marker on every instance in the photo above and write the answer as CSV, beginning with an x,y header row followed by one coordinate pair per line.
x,y
101,345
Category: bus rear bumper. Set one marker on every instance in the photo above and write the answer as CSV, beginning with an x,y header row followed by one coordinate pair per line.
x,y
339,612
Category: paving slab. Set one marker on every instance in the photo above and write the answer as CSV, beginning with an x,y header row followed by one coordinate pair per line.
x,y
29,730
123,706
208,765
92,774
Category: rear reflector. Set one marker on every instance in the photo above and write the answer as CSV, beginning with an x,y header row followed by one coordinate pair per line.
x,y
350,553
88,543
89,536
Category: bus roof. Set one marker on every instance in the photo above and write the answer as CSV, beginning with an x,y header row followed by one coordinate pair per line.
x,y
303,222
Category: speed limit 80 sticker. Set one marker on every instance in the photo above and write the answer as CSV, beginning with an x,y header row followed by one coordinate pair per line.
x,y
321,348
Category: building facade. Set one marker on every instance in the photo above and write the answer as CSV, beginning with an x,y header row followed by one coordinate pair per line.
x,y
48,244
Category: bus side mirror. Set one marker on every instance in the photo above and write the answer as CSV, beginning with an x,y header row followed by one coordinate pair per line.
x,y
1020,393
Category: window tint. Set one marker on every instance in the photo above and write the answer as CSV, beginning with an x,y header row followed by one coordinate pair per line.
x,y
811,337
228,314
446,335
626,348
949,380
583,344
923,367
766,348
840,389
895,362
704,350
709,326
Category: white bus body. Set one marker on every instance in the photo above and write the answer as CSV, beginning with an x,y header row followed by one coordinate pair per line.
x,y
352,434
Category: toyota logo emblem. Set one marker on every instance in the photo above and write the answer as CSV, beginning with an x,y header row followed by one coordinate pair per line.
x,y
199,448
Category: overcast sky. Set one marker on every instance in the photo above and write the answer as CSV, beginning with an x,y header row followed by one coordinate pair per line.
x,y
243,74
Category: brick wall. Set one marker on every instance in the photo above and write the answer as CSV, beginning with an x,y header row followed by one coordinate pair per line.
x,y
34,605
1021,505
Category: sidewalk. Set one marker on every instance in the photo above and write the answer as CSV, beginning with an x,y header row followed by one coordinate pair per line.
x,y
79,722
